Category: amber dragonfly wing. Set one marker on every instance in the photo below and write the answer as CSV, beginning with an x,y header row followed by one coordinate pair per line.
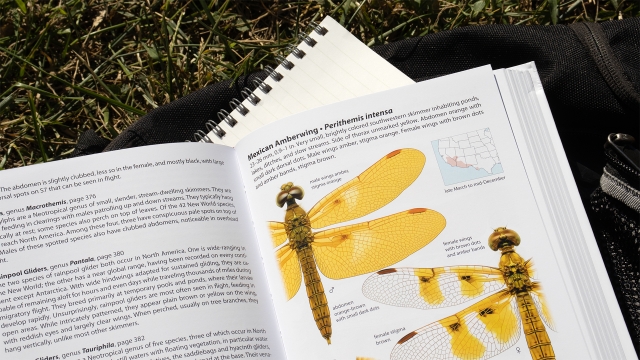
x,y
278,233
541,305
429,288
369,191
478,332
290,269
365,247
287,259
538,297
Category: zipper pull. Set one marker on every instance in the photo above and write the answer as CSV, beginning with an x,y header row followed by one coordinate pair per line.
x,y
622,144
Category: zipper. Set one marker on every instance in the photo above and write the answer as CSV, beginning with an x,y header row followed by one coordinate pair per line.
x,y
597,44
618,149
620,166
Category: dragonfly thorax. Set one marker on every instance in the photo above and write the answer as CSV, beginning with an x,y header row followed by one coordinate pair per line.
x,y
514,270
298,227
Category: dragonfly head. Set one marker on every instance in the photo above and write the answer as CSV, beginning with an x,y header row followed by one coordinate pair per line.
x,y
288,194
502,237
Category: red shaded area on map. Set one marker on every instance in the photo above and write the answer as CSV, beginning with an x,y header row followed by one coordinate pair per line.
x,y
455,162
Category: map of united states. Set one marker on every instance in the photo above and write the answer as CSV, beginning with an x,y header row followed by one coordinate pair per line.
x,y
467,156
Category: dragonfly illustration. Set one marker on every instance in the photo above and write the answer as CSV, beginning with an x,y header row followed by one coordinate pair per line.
x,y
356,249
485,328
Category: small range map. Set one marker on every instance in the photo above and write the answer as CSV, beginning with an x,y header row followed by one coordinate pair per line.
x,y
467,156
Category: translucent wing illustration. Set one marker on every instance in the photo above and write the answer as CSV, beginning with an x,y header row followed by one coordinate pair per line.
x,y
290,268
538,297
539,301
371,190
361,248
481,331
423,288
278,234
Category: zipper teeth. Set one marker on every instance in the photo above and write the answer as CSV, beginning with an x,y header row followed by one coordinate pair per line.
x,y
605,59
621,166
613,75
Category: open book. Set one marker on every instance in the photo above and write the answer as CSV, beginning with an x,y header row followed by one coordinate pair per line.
x,y
436,220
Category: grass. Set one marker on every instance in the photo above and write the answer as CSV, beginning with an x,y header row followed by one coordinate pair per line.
x,y
71,65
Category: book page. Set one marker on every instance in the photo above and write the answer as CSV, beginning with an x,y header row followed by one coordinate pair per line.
x,y
377,245
140,253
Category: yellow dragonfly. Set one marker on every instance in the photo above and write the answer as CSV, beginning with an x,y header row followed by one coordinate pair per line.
x,y
356,249
485,328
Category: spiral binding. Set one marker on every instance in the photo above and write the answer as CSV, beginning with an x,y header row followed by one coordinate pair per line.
x,y
260,84
225,116
201,136
276,76
307,39
213,127
317,28
237,105
284,62
296,51
250,96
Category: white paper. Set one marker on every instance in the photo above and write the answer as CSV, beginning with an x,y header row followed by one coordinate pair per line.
x,y
76,303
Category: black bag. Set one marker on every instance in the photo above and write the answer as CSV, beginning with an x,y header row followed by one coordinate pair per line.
x,y
590,73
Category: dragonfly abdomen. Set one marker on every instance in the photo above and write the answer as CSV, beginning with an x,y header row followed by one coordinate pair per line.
x,y
534,330
315,292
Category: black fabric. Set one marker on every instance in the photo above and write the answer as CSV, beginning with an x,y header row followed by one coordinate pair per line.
x,y
619,262
617,232
593,38
89,143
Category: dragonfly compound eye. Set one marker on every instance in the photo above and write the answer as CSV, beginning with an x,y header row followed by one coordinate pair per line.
x,y
288,193
296,192
281,199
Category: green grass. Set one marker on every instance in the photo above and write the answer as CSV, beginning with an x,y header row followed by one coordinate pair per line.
x,y
71,65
